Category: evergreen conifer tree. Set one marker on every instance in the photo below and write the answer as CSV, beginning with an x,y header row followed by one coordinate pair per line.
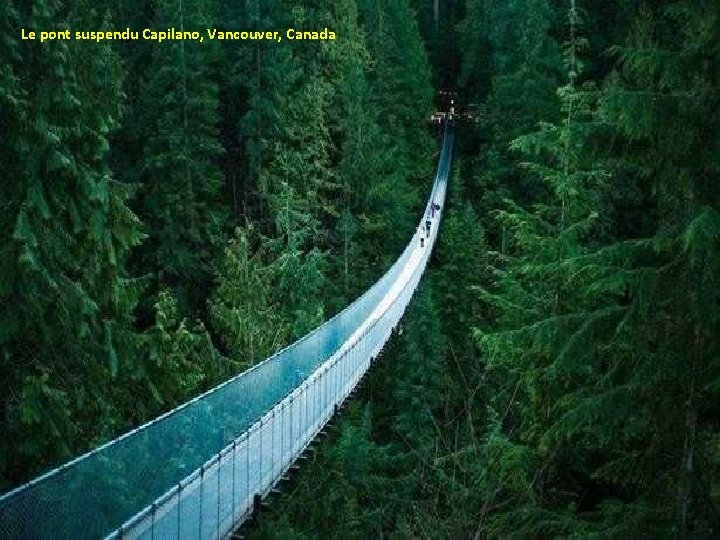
x,y
180,203
67,298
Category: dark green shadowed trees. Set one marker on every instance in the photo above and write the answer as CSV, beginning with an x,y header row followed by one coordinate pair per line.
x,y
66,297
607,331
588,407
179,173
176,212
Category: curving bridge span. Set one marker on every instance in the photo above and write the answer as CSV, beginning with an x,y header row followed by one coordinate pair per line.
x,y
199,470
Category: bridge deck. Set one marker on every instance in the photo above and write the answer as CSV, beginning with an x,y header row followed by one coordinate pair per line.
x,y
197,471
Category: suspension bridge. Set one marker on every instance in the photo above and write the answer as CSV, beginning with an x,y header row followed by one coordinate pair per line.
x,y
200,470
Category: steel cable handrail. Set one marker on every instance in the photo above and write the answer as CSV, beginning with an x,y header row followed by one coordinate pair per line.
x,y
166,465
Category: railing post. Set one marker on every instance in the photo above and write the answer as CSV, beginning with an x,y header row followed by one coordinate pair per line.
x,y
324,392
219,498
261,452
282,433
200,513
234,504
314,401
343,370
247,470
343,362
180,486
292,438
301,411
272,440
338,374
307,409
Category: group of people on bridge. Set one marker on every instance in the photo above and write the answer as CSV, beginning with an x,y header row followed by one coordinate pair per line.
x,y
424,232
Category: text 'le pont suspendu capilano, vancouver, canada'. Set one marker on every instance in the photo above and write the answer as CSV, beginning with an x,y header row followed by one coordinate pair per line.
x,y
171,34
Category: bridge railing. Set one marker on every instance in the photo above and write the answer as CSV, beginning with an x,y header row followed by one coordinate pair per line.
x,y
195,471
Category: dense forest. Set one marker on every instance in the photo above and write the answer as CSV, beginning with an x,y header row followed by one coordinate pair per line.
x,y
175,213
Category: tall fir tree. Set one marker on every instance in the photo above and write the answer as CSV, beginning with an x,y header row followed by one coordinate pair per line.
x,y
67,298
602,349
181,180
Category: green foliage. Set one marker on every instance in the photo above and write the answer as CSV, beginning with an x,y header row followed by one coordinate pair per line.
x,y
591,408
604,342
66,299
181,207
267,295
310,145
371,480
511,67
178,358
558,373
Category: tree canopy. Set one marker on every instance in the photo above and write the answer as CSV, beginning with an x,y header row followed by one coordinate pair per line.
x,y
176,212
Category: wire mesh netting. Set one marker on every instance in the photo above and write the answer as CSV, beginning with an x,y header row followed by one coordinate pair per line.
x,y
195,472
